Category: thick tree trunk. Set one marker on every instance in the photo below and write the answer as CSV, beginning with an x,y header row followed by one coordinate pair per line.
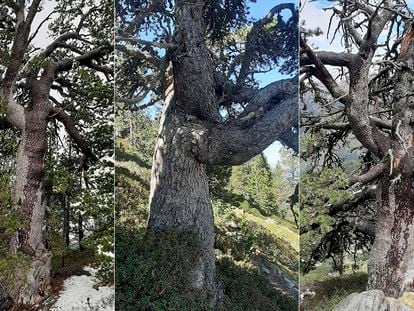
x,y
391,263
32,283
180,199
192,135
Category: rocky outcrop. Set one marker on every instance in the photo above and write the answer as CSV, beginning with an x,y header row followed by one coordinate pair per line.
x,y
372,300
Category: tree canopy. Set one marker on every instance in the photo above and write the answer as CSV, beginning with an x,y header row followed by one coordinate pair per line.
x,y
55,121
352,101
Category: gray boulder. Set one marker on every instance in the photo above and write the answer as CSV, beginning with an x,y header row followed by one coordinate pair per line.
x,y
398,306
373,300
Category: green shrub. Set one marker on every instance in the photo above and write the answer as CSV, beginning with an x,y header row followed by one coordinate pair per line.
x,y
152,272
330,291
71,262
246,289
255,212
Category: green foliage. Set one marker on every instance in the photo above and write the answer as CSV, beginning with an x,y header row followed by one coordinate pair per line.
x,y
72,262
9,223
144,280
244,239
318,191
246,289
330,290
134,145
326,234
264,189
156,277
223,16
10,263
253,180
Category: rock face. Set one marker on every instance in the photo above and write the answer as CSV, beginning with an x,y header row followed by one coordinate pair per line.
x,y
398,306
372,300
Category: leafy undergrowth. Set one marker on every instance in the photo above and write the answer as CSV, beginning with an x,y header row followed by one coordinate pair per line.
x,y
156,277
246,289
153,272
72,262
276,226
248,237
329,290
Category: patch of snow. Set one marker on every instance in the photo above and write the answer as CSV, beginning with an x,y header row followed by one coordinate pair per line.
x,y
79,294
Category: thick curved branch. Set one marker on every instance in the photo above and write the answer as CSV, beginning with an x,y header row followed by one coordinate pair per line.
x,y
162,45
33,9
322,73
20,43
229,144
139,54
290,139
57,43
373,173
356,199
73,132
357,105
261,99
332,125
328,58
85,59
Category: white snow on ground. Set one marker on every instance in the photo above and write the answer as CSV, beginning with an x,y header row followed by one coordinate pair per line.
x,y
79,294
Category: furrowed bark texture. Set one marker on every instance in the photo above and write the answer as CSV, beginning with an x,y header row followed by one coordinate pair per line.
x,y
180,197
29,203
179,190
192,135
391,264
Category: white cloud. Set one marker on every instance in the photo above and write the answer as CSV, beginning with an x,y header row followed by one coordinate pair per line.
x,y
42,39
315,17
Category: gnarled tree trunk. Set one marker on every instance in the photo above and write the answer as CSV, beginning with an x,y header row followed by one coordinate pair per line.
x,y
391,264
192,135
392,255
29,204
180,197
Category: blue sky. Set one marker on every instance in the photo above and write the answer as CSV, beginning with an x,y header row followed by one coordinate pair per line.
x,y
258,10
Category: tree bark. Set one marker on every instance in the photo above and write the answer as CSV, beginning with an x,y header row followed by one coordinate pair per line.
x,y
192,134
180,199
29,203
391,264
